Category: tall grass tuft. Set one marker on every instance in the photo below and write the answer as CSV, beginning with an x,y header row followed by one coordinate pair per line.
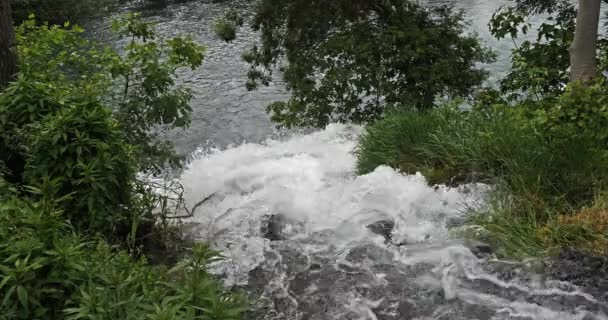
x,y
539,176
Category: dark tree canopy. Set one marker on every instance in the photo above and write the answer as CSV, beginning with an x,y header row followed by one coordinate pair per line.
x,y
350,60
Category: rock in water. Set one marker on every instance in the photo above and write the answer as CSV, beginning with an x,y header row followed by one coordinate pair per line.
x,y
272,227
383,228
480,249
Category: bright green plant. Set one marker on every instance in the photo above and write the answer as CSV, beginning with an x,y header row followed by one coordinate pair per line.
x,y
540,67
49,272
582,109
82,113
226,26
498,148
149,102
139,85
84,147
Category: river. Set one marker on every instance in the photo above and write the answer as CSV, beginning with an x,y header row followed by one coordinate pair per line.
x,y
303,235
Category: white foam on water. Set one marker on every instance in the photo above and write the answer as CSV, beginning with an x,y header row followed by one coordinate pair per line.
x,y
310,180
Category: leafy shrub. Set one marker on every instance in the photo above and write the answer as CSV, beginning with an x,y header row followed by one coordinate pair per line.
x,y
75,127
138,85
498,148
225,27
349,61
582,109
540,67
82,149
88,118
49,272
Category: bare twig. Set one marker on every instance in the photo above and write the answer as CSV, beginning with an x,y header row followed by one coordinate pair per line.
x,y
193,210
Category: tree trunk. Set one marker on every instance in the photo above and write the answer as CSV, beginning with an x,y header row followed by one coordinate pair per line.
x,y
8,56
582,54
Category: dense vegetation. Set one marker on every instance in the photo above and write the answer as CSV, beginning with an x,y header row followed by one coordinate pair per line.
x,y
540,140
81,121
352,60
77,223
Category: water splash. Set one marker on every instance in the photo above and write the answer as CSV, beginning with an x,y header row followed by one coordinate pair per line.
x,y
328,264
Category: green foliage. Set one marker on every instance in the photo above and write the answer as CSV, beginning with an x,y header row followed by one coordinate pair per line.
x,y
149,102
350,60
581,110
525,160
75,128
226,26
547,161
87,118
393,141
82,149
224,29
49,272
540,68
139,85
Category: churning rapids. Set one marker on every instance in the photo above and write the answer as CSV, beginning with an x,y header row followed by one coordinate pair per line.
x,y
307,239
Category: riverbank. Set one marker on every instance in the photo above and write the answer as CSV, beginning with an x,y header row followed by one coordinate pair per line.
x,y
548,190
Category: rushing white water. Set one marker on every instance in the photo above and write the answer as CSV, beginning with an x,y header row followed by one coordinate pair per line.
x,y
328,264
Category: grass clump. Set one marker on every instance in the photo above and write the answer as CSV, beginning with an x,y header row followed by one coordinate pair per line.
x,y
543,180
225,27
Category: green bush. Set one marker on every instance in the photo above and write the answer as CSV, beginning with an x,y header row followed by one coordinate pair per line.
x,y
542,165
225,29
75,128
582,109
139,85
82,149
85,119
226,26
498,148
49,272
348,61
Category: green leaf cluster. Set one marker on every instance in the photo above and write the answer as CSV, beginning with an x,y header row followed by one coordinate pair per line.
x,y
541,170
47,271
539,67
226,26
350,60
86,118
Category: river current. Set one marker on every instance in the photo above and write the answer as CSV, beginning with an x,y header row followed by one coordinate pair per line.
x,y
307,238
